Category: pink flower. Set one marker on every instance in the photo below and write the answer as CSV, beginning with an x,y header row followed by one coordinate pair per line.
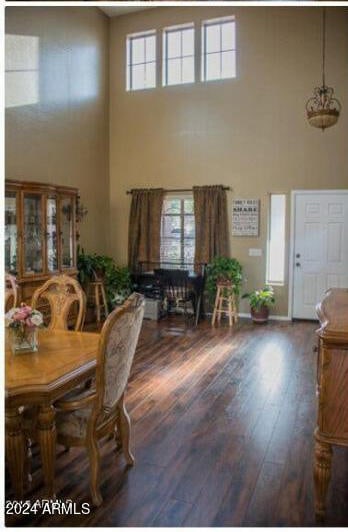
x,y
20,316
21,313
29,323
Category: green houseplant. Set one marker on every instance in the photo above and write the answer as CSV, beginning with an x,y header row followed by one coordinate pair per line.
x,y
223,269
117,279
260,302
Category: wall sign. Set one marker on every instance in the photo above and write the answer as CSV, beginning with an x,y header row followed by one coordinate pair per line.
x,y
245,217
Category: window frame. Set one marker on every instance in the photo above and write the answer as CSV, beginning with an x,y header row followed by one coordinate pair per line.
x,y
130,38
182,197
269,281
216,22
165,59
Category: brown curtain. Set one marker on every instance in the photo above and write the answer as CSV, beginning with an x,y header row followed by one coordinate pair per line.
x,y
210,207
144,235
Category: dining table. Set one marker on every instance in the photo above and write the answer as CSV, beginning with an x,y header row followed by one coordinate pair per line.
x,y
64,360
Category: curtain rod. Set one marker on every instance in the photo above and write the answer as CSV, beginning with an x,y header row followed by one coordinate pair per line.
x,y
175,189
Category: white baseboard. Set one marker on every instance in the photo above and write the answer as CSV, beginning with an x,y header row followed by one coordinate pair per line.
x,y
247,315
270,317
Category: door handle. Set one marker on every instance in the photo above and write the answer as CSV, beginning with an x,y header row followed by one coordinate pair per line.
x,y
298,255
297,264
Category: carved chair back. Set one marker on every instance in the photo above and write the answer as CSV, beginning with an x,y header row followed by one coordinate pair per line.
x,y
119,338
10,292
62,292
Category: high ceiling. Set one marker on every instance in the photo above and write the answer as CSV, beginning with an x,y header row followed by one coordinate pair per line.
x,y
116,11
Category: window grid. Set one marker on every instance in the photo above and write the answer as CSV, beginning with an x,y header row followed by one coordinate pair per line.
x,y
167,60
131,63
222,50
183,216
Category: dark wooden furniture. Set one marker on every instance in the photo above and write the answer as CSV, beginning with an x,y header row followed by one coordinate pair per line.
x,y
332,425
149,284
40,233
176,289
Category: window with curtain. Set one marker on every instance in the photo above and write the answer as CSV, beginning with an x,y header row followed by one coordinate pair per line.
x,y
177,231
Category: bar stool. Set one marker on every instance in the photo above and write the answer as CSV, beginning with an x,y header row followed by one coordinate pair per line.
x,y
225,303
98,297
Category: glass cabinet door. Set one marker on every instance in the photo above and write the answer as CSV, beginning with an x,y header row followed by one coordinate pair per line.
x,y
11,234
67,213
33,234
51,233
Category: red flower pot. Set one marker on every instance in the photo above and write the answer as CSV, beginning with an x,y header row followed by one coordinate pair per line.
x,y
260,315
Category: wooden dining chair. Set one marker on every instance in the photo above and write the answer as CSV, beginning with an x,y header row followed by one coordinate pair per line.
x,y
10,291
81,420
61,292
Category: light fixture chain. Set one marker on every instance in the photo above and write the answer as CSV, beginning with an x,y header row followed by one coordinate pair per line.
x,y
324,43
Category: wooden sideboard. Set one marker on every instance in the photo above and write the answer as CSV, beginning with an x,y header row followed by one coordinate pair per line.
x,y
40,233
332,386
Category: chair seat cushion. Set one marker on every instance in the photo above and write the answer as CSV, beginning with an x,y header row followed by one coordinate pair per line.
x,y
73,424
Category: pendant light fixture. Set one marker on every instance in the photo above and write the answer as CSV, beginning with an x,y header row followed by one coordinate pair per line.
x,y
323,109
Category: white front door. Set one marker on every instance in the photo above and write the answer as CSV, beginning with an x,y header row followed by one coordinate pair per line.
x,y
320,259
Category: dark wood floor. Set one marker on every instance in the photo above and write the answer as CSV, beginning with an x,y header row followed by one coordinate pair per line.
x,y
222,434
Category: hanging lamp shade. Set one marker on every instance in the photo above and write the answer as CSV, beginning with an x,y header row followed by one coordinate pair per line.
x,y
323,110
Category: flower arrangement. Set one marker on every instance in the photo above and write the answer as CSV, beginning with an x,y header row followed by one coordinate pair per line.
x,y
23,322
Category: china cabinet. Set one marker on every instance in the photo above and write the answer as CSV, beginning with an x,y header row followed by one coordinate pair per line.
x,y
40,233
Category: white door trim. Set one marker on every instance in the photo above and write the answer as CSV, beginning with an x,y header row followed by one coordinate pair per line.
x,y
274,317
292,237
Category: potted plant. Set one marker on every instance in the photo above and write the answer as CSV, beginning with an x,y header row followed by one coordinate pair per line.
x,y
223,269
119,284
260,302
117,279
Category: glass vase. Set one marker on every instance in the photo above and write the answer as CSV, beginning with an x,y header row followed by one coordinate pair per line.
x,y
24,340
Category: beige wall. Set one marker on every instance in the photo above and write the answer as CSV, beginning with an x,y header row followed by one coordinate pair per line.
x,y
57,131
249,133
